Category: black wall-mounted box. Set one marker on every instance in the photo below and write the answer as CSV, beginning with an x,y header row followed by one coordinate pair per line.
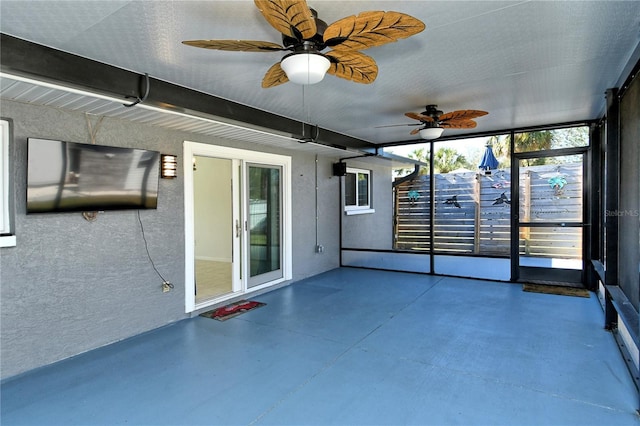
x,y
340,169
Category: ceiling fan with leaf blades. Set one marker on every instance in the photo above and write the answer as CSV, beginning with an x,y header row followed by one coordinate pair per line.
x,y
305,36
434,121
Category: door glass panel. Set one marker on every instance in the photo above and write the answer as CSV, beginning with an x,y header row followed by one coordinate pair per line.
x,y
551,247
213,227
550,218
551,192
264,223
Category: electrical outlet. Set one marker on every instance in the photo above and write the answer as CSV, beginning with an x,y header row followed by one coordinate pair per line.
x,y
166,287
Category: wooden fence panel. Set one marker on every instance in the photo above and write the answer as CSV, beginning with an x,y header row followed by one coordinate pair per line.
x,y
455,212
494,193
412,215
472,212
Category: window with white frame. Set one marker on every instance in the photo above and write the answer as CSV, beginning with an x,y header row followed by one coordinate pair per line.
x,y
357,191
6,239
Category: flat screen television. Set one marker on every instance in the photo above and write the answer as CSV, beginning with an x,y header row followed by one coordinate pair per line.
x,y
68,176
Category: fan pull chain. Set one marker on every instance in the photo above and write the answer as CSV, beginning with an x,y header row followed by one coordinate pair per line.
x,y
306,122
305,112
305,107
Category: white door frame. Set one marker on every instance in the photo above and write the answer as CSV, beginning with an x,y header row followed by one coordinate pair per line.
x,y
240,210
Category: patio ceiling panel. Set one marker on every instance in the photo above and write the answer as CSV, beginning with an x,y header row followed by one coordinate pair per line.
x,y
17,89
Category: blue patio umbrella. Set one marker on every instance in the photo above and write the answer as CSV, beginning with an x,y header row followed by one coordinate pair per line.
x,y
488,161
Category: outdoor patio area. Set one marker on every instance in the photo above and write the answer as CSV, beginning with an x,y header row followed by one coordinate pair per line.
x,y
351,347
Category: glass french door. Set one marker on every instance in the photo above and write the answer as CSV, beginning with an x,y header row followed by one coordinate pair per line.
x,y
237,222
214,239
548,224
264,223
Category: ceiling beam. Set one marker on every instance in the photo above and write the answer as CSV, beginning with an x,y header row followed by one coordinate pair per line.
x,y
27,59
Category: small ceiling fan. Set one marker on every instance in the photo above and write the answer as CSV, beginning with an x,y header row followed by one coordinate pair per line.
x,y
434,121
305,36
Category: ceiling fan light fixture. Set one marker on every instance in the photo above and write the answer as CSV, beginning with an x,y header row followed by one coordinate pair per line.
x,y
305,68
429,133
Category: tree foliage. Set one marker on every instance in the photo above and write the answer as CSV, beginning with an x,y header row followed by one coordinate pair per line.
x,y
571,137
445,159
448,159
524,142
422,155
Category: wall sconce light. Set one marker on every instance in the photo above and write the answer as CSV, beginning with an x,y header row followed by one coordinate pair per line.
x,y
169,166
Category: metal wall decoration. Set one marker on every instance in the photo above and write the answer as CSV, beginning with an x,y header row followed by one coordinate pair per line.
x,y
453,201
557,183
502,184
502,199
413,196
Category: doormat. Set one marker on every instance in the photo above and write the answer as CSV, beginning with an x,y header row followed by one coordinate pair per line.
x,y
232,310
556,289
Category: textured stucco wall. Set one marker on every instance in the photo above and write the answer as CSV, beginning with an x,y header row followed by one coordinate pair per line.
x,y
374,230
306,262
70,286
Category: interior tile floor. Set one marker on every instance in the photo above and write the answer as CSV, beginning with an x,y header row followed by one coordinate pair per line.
x,y
212,279
351,347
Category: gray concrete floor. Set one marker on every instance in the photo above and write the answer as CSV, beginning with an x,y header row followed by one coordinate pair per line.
x,y
351,347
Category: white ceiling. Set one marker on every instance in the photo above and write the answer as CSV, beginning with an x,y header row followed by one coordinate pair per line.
x,y
527,63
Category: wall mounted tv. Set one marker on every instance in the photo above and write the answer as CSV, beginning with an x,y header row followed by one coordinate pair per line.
x,y
68,176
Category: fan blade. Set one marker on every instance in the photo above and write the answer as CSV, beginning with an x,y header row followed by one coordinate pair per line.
x,y
292,18
236,45
275,76
462,115
370,29
420,117
415,131
354,66
462,124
